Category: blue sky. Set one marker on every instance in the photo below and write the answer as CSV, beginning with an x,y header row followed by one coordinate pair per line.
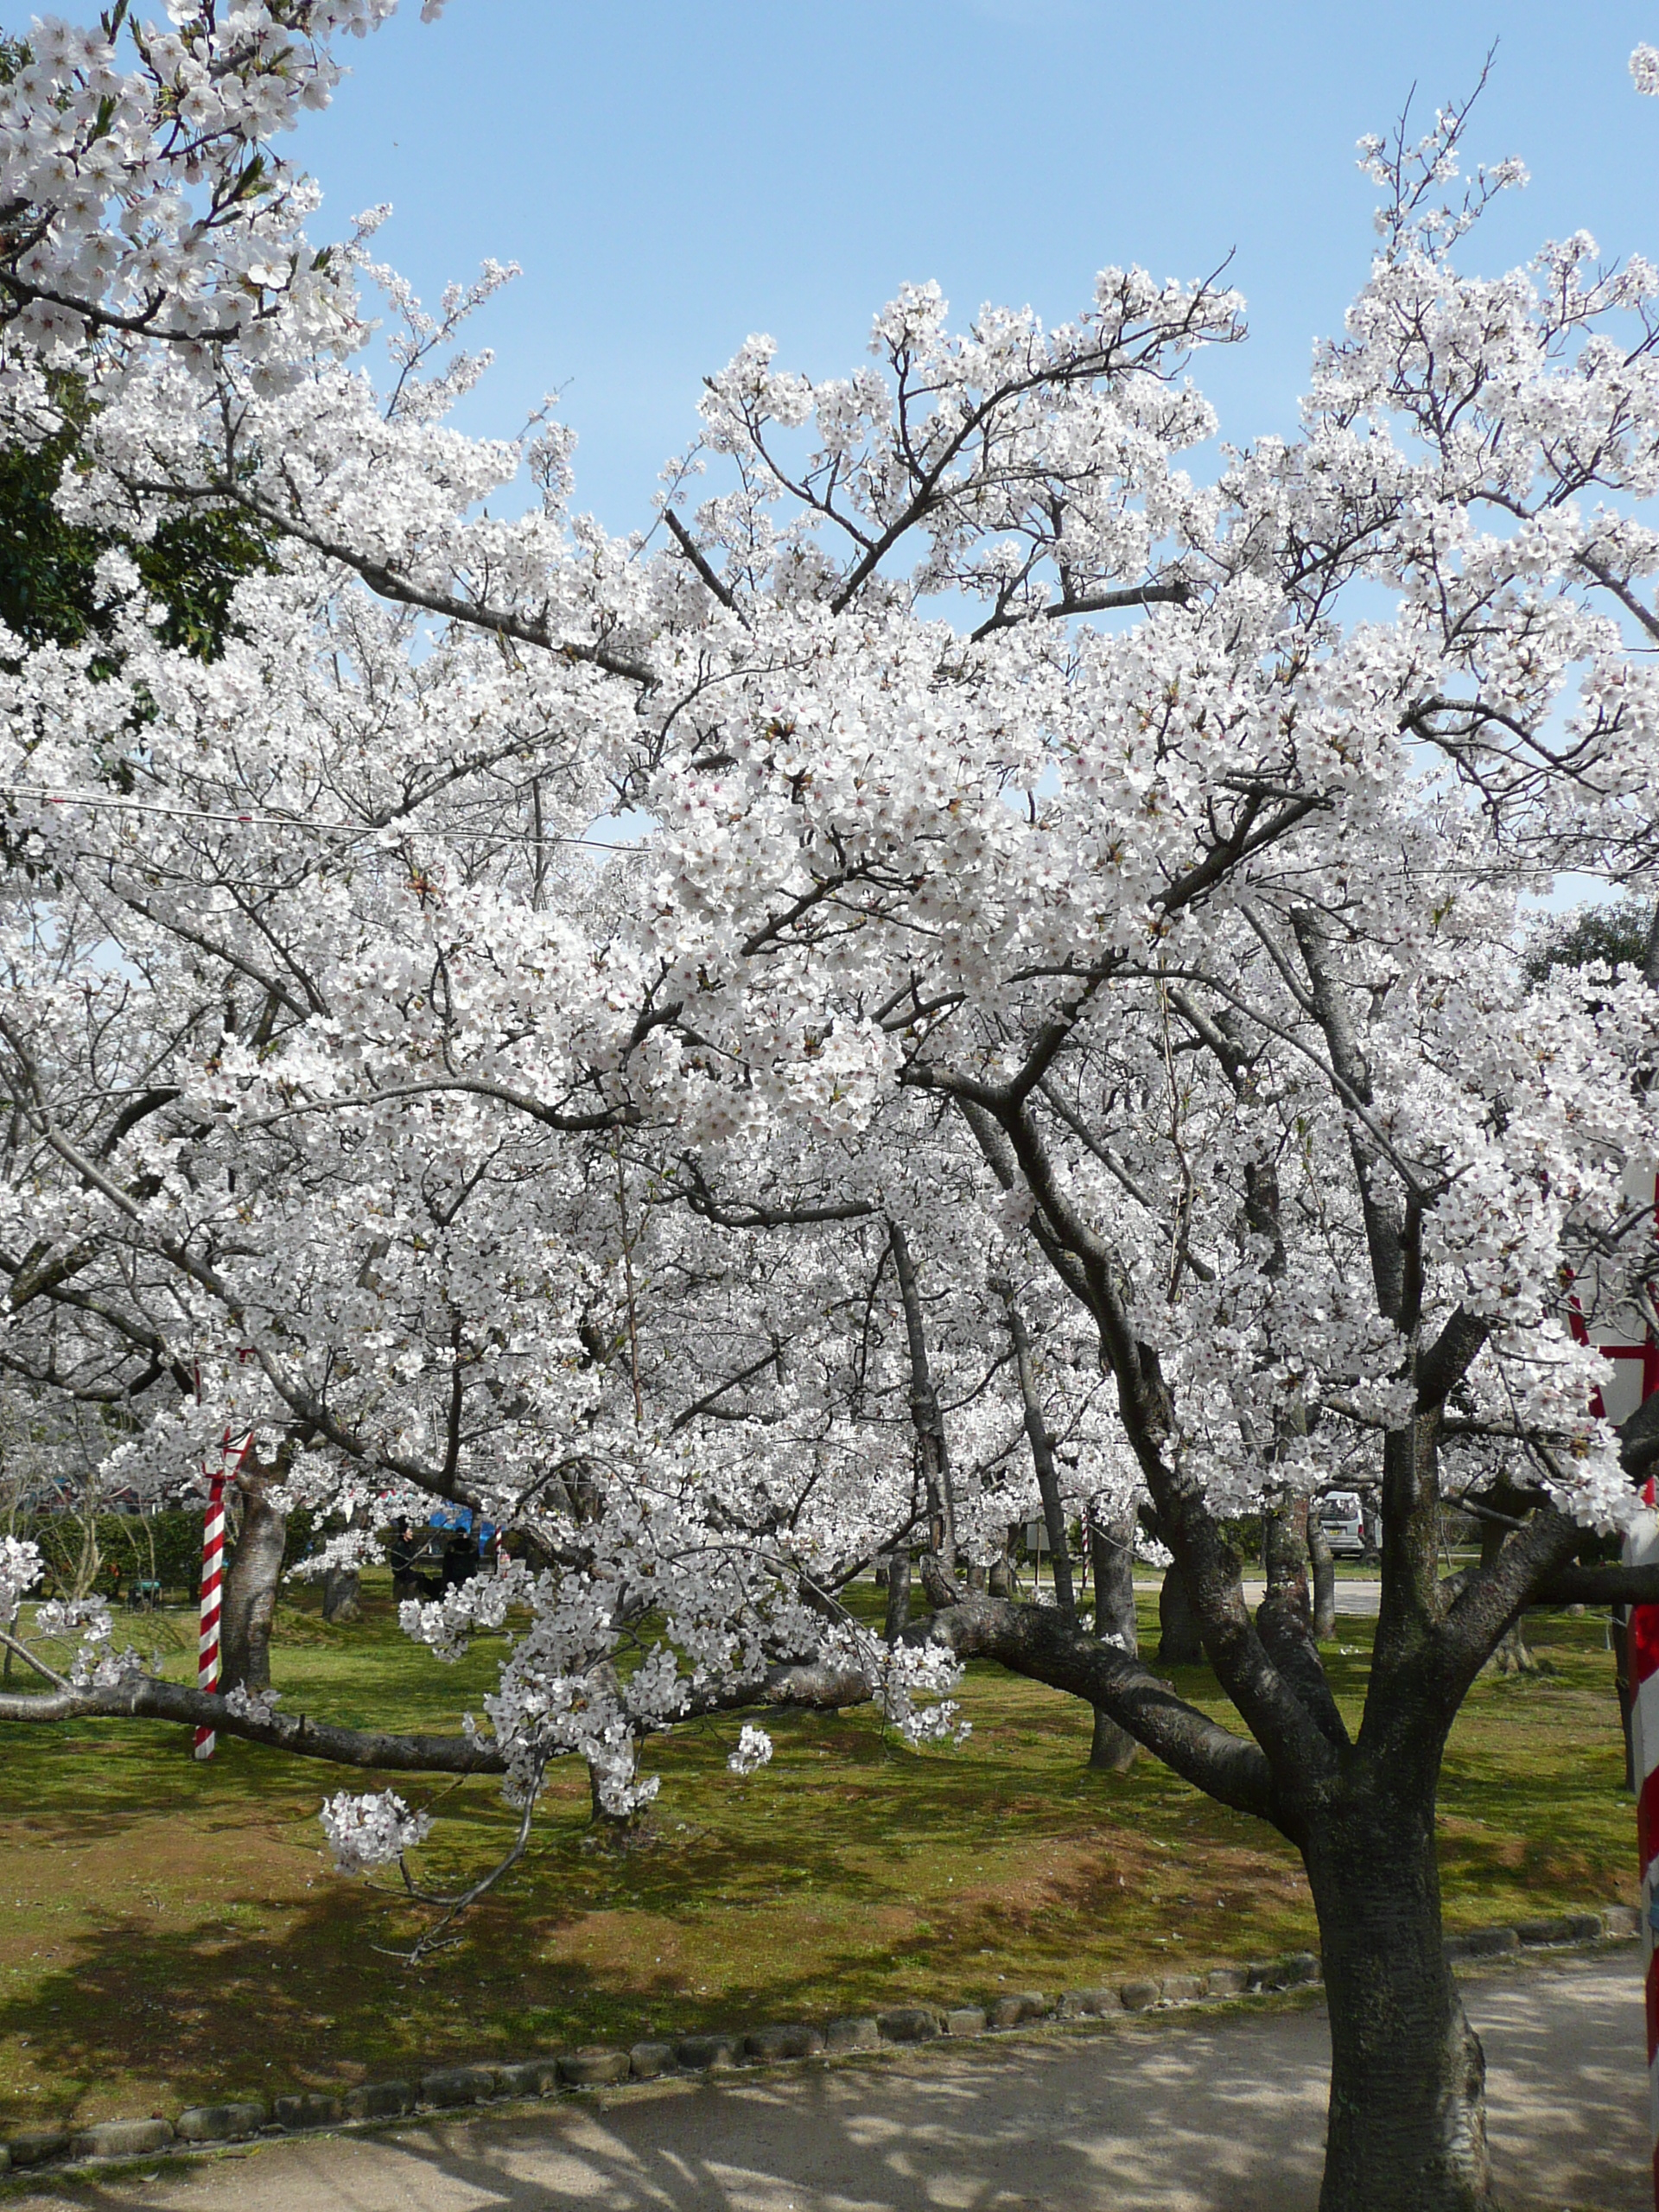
x,y
674,176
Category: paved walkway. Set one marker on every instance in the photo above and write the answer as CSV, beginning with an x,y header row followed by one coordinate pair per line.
x,y
1188,2114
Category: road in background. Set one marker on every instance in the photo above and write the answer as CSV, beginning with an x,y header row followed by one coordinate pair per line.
x,y
1360,1597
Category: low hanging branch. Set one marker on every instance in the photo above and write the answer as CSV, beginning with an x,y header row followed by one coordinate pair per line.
x,y
806,1683
147,1699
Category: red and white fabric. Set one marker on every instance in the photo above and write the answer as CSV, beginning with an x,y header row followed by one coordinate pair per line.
x,y
212,1585
1635,1348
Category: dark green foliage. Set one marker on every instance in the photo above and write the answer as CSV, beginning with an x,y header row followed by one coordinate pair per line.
x,y
164,1548
1616,933
48,565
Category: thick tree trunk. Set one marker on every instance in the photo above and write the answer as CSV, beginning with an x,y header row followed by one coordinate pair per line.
x,y
1407,2129
1323,1560
249,1601
1179,1642
1111,1559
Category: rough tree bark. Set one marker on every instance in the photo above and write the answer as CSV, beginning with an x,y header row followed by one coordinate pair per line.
x,y
1111,1557
932,1455
1179,1641
1284,1558
1407,2130
250,1602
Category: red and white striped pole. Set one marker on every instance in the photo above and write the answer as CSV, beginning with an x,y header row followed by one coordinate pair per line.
x,y
213,1584
212,1580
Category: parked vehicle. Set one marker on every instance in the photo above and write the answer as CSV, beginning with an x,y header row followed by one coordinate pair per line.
x,y
1342,1517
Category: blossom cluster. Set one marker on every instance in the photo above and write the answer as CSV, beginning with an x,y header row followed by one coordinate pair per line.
x,y
370,1831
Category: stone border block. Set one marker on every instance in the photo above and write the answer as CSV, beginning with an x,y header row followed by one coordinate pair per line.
x,y
308,2108
528,2077
593,2066
1534,1933
792,2039
33,2146
223,2123
852,2035
706,2054
1620,1920
1226,1981
964,2020
646,2061
1088,2004
908,2024
1481,1943
1292,1972
380,2100
1183,1988
1018,2006
1139,1996
122,2139
1492,1942
458,2085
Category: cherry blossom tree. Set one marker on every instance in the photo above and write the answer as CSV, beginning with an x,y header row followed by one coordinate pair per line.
x,y
1064,1045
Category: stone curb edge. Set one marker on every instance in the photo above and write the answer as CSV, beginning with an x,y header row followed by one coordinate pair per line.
x,y
440,2088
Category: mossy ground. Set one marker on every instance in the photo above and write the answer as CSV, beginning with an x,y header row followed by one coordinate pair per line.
x,y
170,1930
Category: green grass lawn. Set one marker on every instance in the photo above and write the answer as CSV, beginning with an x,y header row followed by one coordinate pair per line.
x,y
170,1931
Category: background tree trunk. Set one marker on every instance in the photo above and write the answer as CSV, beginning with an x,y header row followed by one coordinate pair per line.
x,y
342,1589
932,1450
1407,2130
1284,1553
898,1596
341,1594
1620,1639
1324,1578
1111,1559
249,1601
1514,1655
1179,1642
1042,1460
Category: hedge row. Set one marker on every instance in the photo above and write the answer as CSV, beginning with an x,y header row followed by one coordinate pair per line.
x,y
164,1548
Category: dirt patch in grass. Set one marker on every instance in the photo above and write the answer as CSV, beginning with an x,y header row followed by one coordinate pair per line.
x,y
170,1931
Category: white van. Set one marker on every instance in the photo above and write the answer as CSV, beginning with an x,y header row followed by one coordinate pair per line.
x,y
1343,1520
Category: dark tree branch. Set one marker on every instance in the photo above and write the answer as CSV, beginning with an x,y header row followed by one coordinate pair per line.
x,y
148,1700
1033,1641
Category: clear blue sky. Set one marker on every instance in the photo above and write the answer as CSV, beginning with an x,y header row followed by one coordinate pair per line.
x,y
673,176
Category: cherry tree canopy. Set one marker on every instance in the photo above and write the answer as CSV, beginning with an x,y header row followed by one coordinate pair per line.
x,y
1062,1035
